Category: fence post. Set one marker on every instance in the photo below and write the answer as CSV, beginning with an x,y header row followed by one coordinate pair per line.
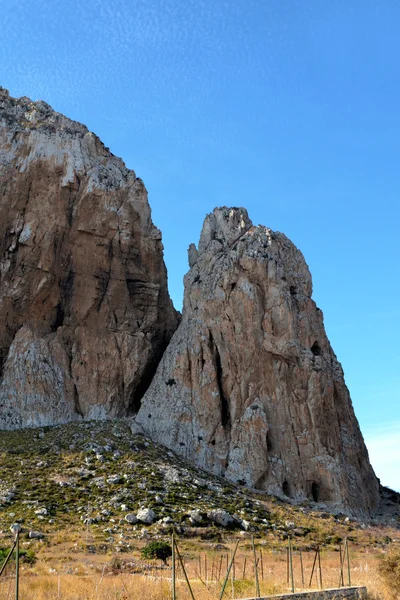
x,y
17,568
228,571
255,568
220,566
319,567
173,569
184,570
8,557
341,580
348,561
291,565
262,565
287,566
313,567
302,570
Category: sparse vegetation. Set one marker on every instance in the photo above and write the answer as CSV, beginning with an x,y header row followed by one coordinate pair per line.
x,y
389,570
26,556
159,550
82,485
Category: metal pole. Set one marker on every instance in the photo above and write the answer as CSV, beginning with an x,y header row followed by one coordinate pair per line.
x,y
291,565
228,571
244,568
17,568
173,569
262,565
255,568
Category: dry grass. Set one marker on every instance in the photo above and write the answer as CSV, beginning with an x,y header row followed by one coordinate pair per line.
x,y
90,551
101,578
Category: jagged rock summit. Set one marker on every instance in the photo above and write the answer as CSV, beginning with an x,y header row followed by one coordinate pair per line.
x,y
249,386
84,308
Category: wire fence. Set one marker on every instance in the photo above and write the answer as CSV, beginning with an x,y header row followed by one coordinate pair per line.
x,y
222,573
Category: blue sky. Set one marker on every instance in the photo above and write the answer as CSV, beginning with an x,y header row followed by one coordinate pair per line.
x,y
287,107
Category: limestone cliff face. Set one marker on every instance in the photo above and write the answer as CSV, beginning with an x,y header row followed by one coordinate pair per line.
x,y
249,386
84,308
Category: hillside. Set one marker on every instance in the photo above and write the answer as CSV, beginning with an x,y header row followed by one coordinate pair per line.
x,y
98,475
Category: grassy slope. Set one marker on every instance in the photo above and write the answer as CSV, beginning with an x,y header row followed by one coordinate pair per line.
x,y
66,470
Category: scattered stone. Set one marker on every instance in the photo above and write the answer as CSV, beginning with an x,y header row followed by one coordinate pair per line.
x,y
114,479
35,535
246,525
131,518
146,515
220,517
196,516
289,525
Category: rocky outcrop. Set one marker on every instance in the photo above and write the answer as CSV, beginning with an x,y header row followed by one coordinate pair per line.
x,y
84,308
249,386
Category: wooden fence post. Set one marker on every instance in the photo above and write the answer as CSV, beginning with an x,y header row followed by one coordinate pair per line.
x,y
302,570
173,569
255,568
228,571
184,570
291,565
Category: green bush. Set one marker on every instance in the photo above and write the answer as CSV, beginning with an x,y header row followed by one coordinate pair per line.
x,y
26,556
160,550
389,570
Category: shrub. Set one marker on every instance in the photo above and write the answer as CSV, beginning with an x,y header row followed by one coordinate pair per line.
x,y
389,569
27,556
160,550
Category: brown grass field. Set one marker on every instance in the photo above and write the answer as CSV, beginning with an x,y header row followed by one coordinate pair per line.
x,y
63,573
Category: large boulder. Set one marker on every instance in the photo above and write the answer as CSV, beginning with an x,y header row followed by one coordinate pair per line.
x,y
84,308
249,387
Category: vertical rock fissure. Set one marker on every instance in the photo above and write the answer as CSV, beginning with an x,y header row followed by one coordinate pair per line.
x,y
224,401
3,358
135,400
59,318
225,412
77,406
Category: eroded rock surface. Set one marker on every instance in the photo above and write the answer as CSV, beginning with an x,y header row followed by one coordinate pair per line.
x,y
84,308
249,386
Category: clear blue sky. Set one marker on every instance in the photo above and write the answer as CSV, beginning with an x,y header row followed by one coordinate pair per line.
x,y
287,107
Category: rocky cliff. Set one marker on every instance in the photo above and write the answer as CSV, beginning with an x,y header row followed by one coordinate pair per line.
x,y
249,386
84,308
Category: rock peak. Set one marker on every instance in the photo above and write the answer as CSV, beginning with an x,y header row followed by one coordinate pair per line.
x,y
224,225
249,386
83,287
